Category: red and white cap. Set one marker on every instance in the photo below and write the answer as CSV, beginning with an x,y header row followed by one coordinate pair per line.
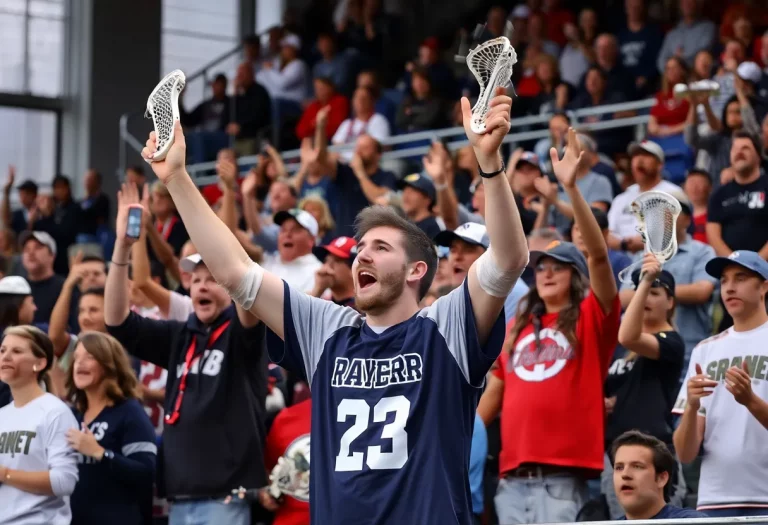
x,y
341,247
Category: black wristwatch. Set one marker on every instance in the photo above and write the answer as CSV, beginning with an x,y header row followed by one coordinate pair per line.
x,y
108,455
623,245
493,173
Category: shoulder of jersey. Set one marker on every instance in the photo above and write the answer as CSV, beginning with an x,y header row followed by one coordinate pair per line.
x,y
717,337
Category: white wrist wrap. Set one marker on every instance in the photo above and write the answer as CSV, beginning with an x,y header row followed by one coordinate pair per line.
x,y
492,279
246,291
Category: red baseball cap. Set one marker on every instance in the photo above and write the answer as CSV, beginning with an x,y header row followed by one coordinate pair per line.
x,y
341,247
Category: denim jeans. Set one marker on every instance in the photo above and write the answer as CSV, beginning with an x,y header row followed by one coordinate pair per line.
x,y
676,496
210,512
543,499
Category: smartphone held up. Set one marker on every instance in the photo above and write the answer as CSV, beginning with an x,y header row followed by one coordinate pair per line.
x,y
133,228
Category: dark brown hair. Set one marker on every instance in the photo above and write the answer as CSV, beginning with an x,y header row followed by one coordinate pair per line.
x,y
418,247
41,347
663,460
121,382
566,321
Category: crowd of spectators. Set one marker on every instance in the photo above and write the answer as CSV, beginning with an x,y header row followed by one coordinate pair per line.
x,y
111,320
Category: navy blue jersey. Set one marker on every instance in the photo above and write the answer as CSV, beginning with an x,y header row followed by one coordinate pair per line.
x,y
119,490
392,411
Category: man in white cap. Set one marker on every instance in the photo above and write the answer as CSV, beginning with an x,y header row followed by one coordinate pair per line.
x,y
294,261
647,159
38,252
288,79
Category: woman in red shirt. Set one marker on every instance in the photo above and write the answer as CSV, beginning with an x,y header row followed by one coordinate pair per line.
x,y
669,114
548,381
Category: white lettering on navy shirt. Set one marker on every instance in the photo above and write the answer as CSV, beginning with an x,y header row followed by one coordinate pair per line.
x,y
376,373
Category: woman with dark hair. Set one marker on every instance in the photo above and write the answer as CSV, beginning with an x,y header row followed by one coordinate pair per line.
x,y
116,441
644,378
17,306
420,109
38,469
547,382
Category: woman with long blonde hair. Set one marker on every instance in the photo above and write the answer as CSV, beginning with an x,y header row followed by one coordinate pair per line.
x,y
317,206
38,469
116,441
643,382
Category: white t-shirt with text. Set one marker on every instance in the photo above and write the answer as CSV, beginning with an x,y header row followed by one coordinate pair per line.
x,y
621,221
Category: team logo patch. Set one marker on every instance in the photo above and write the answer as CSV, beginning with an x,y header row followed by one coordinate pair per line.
x,y
553,244
535,365
413,177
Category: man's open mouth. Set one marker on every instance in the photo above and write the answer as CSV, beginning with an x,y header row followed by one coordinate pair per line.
x,y
204,302
365,279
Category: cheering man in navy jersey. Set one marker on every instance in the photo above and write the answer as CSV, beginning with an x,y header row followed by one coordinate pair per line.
x,y
395,387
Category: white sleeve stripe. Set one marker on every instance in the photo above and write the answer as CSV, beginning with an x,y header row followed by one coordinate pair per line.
x,y
140,446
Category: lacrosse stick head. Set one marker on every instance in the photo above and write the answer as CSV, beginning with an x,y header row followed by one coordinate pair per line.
x,y
291,474
163,109
656,213
491,64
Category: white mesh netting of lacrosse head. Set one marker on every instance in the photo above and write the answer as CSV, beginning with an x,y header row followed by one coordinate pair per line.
x,y
163,109
491,64
656,214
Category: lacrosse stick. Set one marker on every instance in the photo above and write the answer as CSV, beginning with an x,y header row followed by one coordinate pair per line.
x,y
491,64
656,214
163,109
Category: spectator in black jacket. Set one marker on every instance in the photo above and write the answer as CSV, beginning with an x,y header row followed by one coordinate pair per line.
x,y
16,220
209,121
95,206
421,109
214,431
61,221
253,110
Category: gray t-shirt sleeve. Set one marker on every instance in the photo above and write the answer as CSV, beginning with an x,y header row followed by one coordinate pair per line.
x,y
62,459
308,323
455,321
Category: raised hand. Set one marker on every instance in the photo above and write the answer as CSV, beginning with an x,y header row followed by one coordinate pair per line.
x,y
497,125
321,119
651,267
699,386
174,162
248,188
739,383
546,188
76,270
127,198
434,165
572,164
11,179
227,172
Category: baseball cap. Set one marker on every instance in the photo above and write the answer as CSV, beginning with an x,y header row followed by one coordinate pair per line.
x,y
291,40
647,146
28,185
682,198
749,71
664,280
188,264
521,11
469,232
43,238
304,218
747,259
566,252
14,285
419,182
341,247
530,158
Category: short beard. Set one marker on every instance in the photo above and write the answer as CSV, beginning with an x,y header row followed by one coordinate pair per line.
x,y
391,286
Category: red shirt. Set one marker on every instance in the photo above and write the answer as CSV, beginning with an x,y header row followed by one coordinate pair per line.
x,y
291,427
668,110
338,113
553,409
700,227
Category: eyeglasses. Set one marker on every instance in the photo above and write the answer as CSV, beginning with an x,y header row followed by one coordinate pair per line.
x,y
553,267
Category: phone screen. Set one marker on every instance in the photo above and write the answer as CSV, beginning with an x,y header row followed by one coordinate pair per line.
x,y
133,228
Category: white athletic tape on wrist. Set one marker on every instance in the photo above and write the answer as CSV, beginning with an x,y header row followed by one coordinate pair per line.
x,y
246,291
492,279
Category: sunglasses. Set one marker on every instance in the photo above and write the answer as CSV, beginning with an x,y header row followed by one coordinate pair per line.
x,y
553,267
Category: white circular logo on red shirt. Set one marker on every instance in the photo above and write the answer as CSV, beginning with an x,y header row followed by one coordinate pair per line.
x,y
530,364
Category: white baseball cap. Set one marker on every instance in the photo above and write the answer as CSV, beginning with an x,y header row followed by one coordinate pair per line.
x,y
304,218
647,146
291,40
188,264
749,71
43,238
14,285
469,232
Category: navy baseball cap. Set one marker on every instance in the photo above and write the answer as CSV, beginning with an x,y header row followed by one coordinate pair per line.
x,y
530,158
564,252
747,259
469,232
664,280
419,182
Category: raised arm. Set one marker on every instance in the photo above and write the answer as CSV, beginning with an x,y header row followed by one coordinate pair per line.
x,y
117,301
258,291
690,432
493,276
7,197
142,274
436,164
57,326
601,277
227,171
631,335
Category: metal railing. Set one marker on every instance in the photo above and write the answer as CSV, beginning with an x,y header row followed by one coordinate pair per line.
x,y
455,137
